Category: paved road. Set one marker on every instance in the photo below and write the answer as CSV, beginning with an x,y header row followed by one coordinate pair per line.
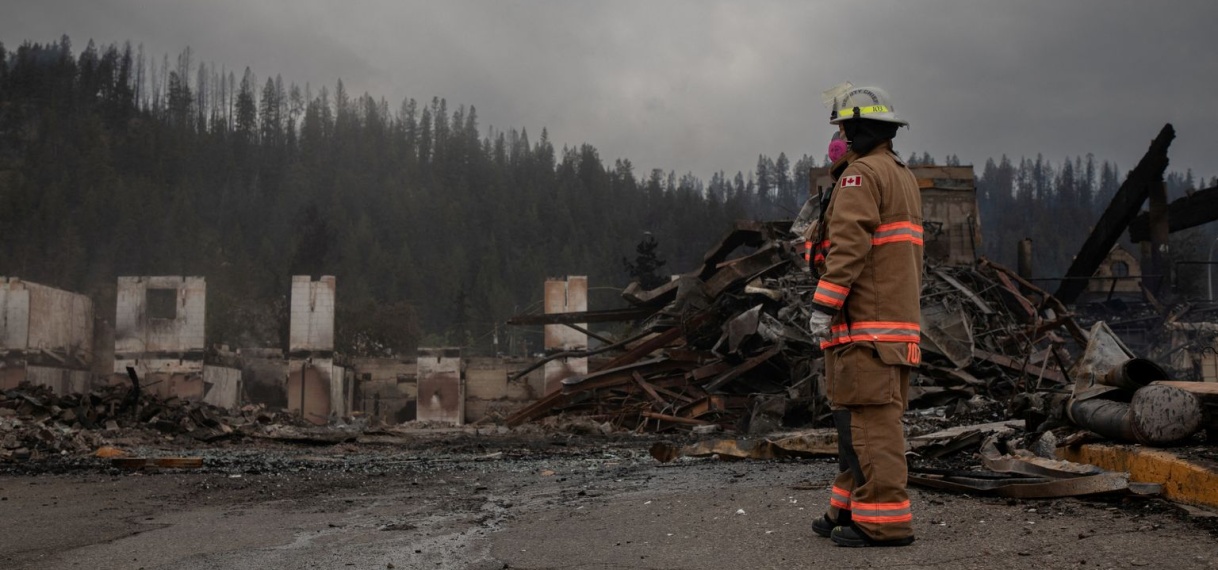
x,y
590,507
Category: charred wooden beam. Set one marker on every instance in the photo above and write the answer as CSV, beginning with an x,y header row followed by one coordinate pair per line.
x,y
738,270
1200,207
674,419
612,377
658,297
607,316
1019,367
737,371
538,409
1160,253
1120,212
746,233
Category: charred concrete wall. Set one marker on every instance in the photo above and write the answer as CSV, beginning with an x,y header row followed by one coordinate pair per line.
x,y
222,386
46,336
323,388
312,315
264,373
441,389
488,393
315,384
568,295
387,388
159,325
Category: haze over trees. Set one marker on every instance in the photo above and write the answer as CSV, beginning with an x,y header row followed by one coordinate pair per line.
x,y
114,162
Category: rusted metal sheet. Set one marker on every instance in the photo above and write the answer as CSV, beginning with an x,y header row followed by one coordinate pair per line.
x,y
441,390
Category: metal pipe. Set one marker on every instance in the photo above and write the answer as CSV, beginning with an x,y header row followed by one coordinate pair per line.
x,y
1113,420
1133,374
1158,415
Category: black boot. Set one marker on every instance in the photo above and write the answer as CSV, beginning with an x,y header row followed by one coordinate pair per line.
x,y
824,526
849,535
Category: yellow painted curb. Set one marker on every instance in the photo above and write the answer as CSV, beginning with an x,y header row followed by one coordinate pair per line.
x,y
1184,481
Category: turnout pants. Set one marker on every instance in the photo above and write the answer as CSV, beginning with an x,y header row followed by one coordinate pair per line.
x,y
868,397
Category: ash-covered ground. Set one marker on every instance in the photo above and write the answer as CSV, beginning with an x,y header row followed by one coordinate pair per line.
x,y
451,499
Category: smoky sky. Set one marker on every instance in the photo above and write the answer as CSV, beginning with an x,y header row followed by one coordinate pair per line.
x,y
701,86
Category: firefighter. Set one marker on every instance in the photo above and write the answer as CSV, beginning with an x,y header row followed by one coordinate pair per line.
x,y
865,312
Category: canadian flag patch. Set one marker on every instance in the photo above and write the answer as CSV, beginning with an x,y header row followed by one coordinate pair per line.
x,y
856,180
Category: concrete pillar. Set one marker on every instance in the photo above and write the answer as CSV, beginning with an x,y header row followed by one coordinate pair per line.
x,y
565,296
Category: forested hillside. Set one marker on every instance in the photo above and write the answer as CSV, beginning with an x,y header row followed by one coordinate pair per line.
x,y
116,163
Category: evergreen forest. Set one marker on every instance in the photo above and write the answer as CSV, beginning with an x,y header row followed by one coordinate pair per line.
x,y
115,162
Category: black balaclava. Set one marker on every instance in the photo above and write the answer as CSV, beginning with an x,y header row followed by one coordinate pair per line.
x,y
866,134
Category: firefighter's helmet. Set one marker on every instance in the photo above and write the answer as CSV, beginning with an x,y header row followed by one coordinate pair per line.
x,y
864,103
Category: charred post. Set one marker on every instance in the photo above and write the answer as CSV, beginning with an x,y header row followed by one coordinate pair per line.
x,y
1124,207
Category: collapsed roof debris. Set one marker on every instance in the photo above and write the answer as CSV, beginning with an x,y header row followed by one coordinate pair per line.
x,y
725,346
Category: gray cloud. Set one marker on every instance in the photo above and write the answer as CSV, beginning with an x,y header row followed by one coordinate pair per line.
x,y
707,85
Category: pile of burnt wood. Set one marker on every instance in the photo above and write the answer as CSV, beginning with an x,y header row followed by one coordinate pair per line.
x,y
35,422
727,344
